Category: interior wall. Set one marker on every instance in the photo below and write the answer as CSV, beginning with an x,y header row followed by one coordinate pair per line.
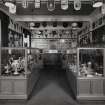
x,y
59,44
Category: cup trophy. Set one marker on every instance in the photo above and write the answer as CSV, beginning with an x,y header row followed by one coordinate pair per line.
x,y
15,66
7,67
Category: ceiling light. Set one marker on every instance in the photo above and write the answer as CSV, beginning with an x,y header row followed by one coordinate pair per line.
x,y
11,5
77,4
64,4
97,3
51,5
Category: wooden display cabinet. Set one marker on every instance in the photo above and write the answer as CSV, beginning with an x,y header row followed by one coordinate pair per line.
x,y
91,74
16,78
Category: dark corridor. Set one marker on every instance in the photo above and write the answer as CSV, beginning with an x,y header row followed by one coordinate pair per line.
x,y
53,87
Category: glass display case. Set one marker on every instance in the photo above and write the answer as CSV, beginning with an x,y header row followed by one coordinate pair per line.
x,y
34,59
13,61
19,72
19,61
91,62
72,60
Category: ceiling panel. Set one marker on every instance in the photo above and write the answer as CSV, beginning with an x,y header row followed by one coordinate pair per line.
x,y
86,9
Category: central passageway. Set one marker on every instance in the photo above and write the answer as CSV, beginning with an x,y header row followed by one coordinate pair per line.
x,y
52,89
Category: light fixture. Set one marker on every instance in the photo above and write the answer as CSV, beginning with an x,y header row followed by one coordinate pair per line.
x,y
37,4
97,3
51,5
24,3
11,5
64,4
77,4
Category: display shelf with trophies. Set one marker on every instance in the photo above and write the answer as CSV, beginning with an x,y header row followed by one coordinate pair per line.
x,y
91,73
13,61
19,72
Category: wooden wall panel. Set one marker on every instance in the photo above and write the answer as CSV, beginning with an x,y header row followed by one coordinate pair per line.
x,y
97,86
83,87
6,87
19,87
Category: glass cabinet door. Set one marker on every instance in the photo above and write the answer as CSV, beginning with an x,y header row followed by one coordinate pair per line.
x,y
90,62
13,61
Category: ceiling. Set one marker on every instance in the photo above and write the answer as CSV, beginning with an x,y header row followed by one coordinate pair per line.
x,y
34,14
86,8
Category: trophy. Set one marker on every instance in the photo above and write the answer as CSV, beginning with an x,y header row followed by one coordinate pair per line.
x,y
15,66
7,67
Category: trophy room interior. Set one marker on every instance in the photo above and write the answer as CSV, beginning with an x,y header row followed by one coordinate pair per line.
x,y
52,52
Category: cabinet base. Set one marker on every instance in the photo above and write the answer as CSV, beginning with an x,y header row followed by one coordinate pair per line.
x,y
13,96
90,97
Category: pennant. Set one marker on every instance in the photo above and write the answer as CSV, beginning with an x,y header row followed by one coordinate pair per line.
x,y
103,9
64,4
37,4
24,3
51,5
77,4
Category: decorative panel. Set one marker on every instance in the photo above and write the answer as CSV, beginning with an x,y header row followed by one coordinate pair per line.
x,y
6,87
19,87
